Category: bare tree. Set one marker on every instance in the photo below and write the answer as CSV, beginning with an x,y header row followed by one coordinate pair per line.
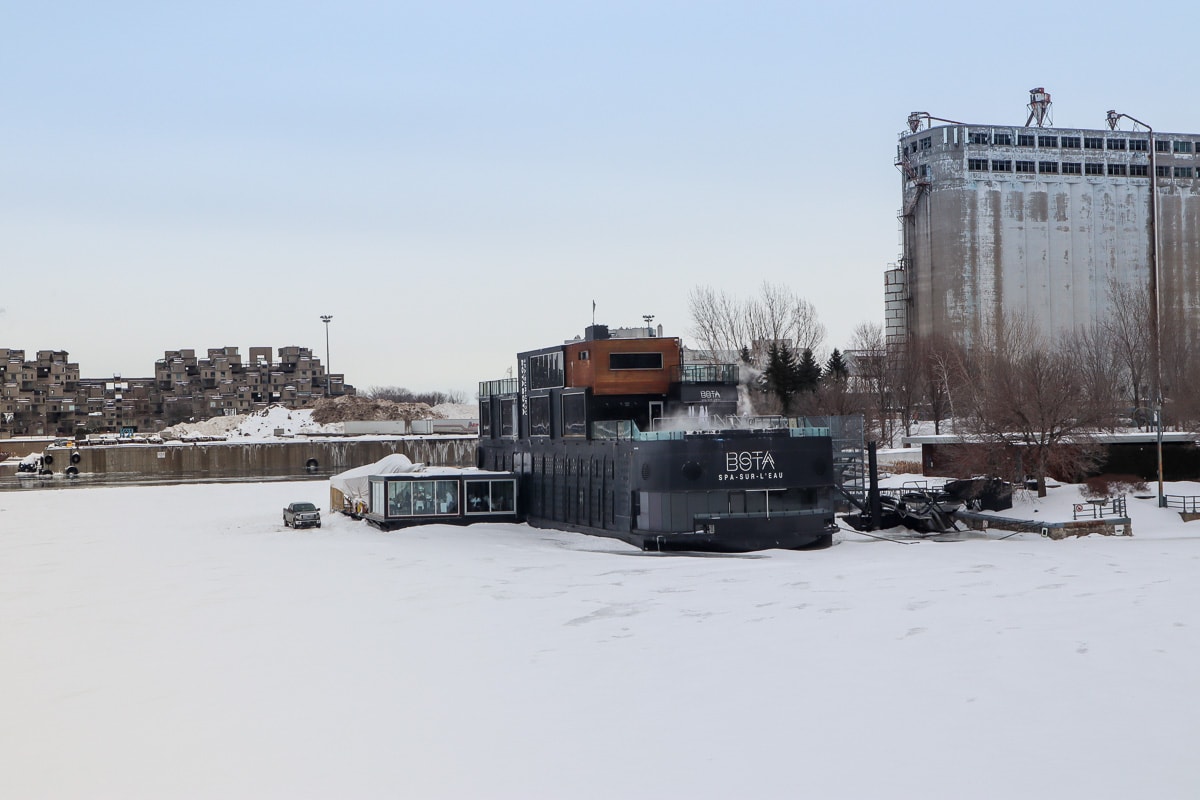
x,y
906,380
871,376
1128,329
718,322
725,325
939,360
398,394
1100,371
1181,385
1023,396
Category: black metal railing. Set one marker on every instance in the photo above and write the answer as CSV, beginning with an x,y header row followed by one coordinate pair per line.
x,y
706,373
502,386
1100,508
1188,504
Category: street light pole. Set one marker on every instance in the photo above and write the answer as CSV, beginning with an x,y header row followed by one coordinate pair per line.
x,y
327,318
1155,340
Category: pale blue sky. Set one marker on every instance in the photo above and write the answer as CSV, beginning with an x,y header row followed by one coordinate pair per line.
x,y
458,181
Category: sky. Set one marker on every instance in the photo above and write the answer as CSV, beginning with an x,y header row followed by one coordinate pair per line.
x,y
455,182
222,655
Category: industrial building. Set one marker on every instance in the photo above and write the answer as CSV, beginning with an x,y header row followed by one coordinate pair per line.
x,y
1039,221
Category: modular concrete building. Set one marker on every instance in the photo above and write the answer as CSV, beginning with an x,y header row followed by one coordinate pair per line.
x,y
1037,220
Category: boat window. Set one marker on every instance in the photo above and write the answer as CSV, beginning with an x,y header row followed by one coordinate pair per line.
x,y
485,418
478,497
504,495
546,371
508,417
378,491
635,361
574,414
446,497
399,499
539,416
488,497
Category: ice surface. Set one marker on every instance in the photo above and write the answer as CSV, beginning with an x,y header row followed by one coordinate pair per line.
x,y
177,641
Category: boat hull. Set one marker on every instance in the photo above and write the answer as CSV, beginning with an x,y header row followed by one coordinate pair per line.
x,y
728,492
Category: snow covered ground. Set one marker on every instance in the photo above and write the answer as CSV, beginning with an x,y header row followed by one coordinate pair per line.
x,y
178,642
263,425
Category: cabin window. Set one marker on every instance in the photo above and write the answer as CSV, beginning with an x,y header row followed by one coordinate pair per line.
x,y
489,497
399,499
635,361
377,494
485,418
422,498
585,355
574,414
546,370
508,417
539,416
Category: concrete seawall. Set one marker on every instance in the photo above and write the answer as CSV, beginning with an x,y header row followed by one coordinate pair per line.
x,y
257,459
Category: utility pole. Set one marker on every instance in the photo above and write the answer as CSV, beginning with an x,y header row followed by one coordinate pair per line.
x,y
327,318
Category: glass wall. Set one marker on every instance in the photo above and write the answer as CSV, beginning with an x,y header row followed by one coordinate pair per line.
x,y
422,498
490,496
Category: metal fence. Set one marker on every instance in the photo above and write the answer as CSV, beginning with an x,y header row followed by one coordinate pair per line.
x,y
1188,504
1098,509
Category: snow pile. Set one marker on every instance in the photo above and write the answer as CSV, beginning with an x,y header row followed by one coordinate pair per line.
x,y
456,410
325,418
260,425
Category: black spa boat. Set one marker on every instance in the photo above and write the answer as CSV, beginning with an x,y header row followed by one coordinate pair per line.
x,y
616,436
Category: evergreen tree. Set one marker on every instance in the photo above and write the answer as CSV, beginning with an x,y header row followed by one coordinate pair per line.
x,y
782,374
808,372
836,368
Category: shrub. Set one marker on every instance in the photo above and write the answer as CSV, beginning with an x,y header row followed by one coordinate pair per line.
x,y
1110,485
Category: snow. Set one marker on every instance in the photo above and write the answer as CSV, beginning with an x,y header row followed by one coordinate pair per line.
x,y
456,411
177,641
259,426
262,425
